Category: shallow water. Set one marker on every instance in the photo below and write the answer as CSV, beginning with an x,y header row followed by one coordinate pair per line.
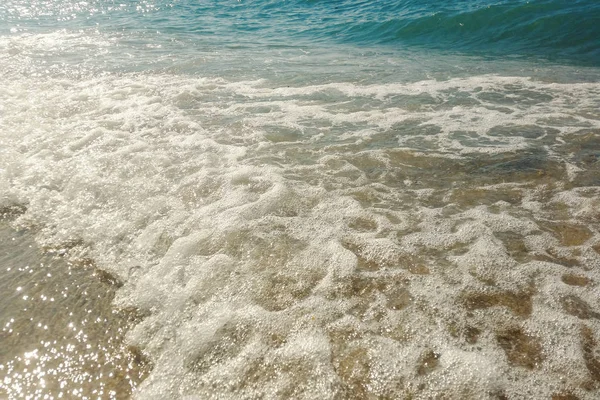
x,y
60,336
295,211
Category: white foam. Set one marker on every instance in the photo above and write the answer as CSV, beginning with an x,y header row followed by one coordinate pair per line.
x,y
249,255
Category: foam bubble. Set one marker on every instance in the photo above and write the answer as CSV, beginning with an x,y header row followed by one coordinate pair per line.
x,y
327,239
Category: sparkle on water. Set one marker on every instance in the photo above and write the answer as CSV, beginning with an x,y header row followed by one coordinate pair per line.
x,y
60,337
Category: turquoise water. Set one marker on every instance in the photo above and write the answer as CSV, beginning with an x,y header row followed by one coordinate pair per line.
x,y
562,31
316,200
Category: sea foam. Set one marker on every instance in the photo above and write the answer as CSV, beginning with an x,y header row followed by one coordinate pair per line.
x,y
331,239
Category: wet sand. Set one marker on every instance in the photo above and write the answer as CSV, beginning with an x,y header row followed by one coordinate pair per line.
x,y
60,336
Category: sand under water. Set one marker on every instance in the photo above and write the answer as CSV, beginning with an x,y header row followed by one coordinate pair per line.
x,y
427,239
61,337
300,199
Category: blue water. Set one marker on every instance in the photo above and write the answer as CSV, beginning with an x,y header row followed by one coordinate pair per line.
x,y
557,30
311,199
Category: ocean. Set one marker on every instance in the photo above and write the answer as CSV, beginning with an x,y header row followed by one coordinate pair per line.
x,y
300,199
